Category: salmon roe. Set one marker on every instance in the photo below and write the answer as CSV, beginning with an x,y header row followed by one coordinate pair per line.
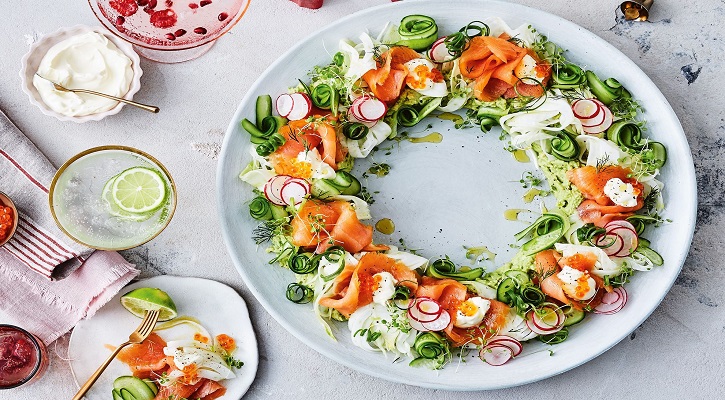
x,y
292,167
226,342
6,221
201,338
582,262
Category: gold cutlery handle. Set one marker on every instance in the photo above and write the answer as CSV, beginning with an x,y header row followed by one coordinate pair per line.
x,y
86,386
148,108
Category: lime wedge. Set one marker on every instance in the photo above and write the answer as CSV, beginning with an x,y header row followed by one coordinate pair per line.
x,y
139,190
114,210
138,301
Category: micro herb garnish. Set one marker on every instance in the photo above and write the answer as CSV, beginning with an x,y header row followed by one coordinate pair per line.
x,y
366,196
528,179
233,362
379,169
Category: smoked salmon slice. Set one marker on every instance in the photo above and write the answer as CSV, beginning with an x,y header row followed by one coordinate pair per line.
x,y
591,181
387,81
302,135
593,213
450,294
209,390
145,358
599,208
491,61
322,225
354,287
548,264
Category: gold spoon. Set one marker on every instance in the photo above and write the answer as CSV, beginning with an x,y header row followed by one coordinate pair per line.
x,y
61,88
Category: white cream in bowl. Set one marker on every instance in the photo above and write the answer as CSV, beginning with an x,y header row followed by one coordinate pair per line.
x,y
85,61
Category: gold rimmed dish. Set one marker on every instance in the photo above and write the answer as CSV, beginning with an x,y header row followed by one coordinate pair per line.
x,y
81,207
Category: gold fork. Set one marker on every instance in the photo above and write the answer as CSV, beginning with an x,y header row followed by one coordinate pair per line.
x,y
62,88
138,336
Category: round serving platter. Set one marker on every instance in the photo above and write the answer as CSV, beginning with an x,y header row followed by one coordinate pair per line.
x,y
444,196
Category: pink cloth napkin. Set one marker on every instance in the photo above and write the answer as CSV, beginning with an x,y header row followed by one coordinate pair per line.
x,y
48,282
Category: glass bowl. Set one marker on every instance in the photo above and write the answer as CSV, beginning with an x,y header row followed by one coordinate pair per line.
x,y
169,31
6,201
83,207
23,357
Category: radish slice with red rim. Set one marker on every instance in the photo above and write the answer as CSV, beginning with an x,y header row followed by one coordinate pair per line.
x,y
439,323
610,243
352,118
619,223
542,327
496,354
356,108
629,241
273,189
293,191
604,125
515,346
439,53
585,108
425,310
372,109
612,302
301,106
284,105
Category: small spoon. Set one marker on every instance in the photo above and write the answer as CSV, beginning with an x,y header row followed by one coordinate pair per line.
x,y
61,88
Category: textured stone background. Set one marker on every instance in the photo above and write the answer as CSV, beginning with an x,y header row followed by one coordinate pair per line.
x,y
677,351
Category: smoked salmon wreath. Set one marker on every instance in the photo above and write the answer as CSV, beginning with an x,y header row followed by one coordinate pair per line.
x,y
583,132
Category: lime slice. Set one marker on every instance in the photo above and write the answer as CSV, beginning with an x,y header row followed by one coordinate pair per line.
x,y
138,301
114,210
139,190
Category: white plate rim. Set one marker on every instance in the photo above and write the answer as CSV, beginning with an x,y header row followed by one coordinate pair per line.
x,y
248,377
689,191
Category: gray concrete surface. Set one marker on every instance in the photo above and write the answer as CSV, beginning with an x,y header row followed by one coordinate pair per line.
x,y
677,352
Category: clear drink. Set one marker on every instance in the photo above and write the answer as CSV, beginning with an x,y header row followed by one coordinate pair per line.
x,y
86,213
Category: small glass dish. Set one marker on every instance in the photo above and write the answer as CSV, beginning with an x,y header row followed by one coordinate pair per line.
x,y
83,207
31,61
23,357
169,31
5,201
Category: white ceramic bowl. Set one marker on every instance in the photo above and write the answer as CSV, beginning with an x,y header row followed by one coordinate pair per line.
x,y
31,61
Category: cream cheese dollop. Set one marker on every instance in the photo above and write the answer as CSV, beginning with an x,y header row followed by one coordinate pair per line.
x,y
86,61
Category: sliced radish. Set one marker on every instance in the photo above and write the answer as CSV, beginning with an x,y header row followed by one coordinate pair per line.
x,y
284,105
301,106
293,191
610,243
369,124
439,323
608,120
439,52
612,302
629,241
496,354
585,108
619,223
541,327
273,189
372,109
595,121
356,110
425,310
515,346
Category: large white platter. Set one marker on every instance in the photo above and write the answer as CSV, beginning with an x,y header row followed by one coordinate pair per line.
x,y
443,196
217,306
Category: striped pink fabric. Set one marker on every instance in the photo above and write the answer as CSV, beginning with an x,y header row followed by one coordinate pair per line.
x,y
25,175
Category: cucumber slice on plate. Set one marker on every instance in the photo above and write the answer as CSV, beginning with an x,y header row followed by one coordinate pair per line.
x,y
151,386
573,316
135,387
117,395
126,395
